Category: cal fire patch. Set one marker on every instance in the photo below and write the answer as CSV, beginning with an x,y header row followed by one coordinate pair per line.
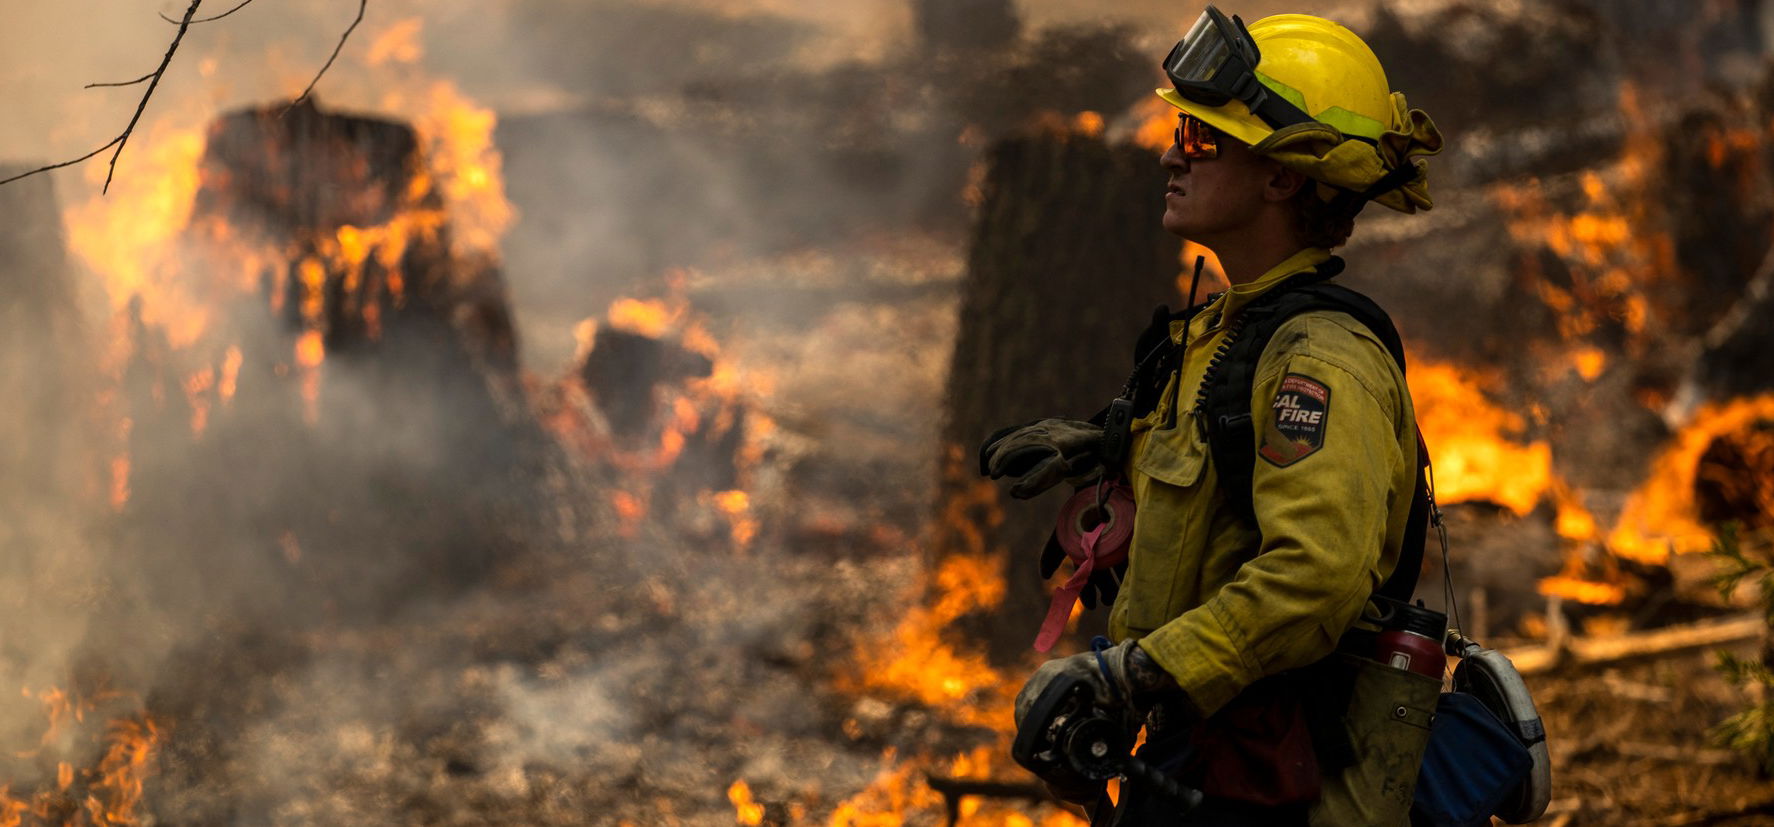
x,y
1297,420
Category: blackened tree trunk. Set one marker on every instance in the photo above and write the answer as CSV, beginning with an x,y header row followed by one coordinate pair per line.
x,y
1068,259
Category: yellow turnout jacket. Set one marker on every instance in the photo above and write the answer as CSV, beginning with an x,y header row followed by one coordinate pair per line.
x,y
1220,605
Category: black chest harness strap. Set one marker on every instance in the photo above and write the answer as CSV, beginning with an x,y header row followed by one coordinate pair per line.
x,y
1223,402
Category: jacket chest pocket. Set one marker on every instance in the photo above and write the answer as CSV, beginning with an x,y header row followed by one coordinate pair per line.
x,y
1174,455
1169,464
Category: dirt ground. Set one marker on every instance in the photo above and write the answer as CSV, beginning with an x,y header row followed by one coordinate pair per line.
x,y
1630,745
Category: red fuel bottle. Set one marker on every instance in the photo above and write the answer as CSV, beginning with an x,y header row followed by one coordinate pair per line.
x,y
1412,640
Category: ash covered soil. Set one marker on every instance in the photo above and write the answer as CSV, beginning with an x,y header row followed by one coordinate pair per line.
x,y
568,694
572,694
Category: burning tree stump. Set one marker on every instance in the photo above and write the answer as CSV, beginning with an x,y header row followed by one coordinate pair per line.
x,y
349,195
622,370
367,439
1068,259
1735,481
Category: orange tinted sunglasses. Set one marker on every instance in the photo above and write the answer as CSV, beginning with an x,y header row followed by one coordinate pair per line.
x,y
1195,139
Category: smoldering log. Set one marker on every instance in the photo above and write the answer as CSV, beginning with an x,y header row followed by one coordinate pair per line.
x,y
1735,481
622,370
1067,260
1533,660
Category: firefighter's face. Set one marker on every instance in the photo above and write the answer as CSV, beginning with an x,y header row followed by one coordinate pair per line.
x,y
1209,197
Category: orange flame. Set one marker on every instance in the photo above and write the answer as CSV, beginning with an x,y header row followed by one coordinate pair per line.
x,y
1582,591
230,373
647,317
197,387
458,135
897,790
104,795
1589,362
1213,276
915,662
1573,521
119,481
630,510
1473,442
129,237
310,353
1612,247
745,810
1157,124
1661,517
736,505
399,43
1088,123
121,771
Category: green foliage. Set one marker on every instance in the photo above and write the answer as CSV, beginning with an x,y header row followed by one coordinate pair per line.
x,y
1750,731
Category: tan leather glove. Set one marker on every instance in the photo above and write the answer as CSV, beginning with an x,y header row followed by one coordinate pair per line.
x,y
1042,453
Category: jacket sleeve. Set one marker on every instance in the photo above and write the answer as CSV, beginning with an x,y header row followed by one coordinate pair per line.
x,y
1325,407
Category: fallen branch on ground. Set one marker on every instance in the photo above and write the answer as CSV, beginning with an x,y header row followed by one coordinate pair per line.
x,y
1668,640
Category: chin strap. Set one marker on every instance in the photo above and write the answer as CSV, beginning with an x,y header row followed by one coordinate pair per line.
x,y
1352,202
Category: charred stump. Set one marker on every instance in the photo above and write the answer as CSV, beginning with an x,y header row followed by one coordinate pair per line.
x,y
316,183
1067,261
623,369
373,445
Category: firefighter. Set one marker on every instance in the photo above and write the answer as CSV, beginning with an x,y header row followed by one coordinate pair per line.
x,y
1257,547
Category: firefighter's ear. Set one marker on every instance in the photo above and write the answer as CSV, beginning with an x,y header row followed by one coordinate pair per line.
x,y
1283,183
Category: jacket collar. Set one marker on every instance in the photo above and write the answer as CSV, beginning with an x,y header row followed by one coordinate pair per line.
x,y
1227,304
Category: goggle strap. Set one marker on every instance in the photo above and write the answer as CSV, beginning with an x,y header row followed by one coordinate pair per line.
x,y
1246,43
1278,112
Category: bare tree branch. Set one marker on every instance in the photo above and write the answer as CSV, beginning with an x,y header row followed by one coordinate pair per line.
x,y
242,5
114,142
154,81
121,82
361,4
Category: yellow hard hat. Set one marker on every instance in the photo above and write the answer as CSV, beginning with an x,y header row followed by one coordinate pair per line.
x,y
1322,103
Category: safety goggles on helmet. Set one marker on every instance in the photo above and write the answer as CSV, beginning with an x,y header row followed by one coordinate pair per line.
x,y
1216,62
1195,139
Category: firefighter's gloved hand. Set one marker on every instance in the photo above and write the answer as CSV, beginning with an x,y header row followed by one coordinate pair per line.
x,y
1110,693
1102,587
1106,676
1041,454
